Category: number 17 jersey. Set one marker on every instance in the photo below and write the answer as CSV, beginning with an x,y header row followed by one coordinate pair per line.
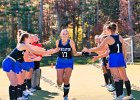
x,y
65,51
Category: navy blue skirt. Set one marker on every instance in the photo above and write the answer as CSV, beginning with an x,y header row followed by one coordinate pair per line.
x,y
116,60
63,63
8,64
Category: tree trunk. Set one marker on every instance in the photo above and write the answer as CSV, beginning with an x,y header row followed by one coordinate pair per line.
x,y
40,19
58,17
76,41
73,19
12,27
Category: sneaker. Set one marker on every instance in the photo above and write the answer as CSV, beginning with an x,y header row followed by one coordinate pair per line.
x,y
66,98
118,98
123,94
114,94
20,98
128,97
110,88
24,97
32,90
27,93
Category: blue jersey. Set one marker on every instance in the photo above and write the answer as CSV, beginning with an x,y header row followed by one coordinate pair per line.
x,y
13,61
65,51
117,46
116,57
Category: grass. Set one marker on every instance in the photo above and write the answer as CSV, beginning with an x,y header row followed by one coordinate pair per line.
x,y
43,95
137,61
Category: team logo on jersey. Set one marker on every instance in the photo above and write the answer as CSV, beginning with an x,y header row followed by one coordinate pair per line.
x,y
65,49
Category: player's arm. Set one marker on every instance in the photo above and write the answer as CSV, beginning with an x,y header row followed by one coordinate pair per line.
x,y
100,56
29,58
57,48
34,51
100,47
75,53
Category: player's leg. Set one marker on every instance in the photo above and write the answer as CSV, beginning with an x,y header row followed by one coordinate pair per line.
x,y
67,75
118,83
123,75
13,85
60,74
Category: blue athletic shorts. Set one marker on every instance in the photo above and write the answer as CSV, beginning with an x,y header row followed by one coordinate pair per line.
x,y
63,63
116,60
8,64
28,65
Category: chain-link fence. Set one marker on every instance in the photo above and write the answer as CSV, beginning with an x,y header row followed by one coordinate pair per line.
x,y
136,46
133,48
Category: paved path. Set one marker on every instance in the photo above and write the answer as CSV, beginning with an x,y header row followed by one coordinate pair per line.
x,y
86,84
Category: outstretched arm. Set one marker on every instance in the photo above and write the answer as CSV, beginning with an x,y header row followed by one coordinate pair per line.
x,y
34,51
100,56
57,48
28,57
99,48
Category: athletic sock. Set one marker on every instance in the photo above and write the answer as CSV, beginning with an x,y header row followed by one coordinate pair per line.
x,y
19,91
106,78
128,87
118,88
66,90
109,76
121,85
12,92
28,82
24,86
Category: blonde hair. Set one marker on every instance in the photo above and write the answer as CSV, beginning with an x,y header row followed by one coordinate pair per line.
x,y
63,30
97,37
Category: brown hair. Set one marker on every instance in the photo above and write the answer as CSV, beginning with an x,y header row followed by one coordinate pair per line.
x,y
22,37
112,26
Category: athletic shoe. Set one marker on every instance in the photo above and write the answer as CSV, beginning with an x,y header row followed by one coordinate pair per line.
x,y
20,98
110,88
114,94
24,97
27,93
66,98
32,90
118,98
128,97
108,85
123,94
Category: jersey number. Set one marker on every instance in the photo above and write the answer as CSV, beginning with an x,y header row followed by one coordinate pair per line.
x,y
64,54
118,48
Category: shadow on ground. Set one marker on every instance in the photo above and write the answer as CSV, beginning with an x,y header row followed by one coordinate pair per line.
x,y
43,95
135,93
